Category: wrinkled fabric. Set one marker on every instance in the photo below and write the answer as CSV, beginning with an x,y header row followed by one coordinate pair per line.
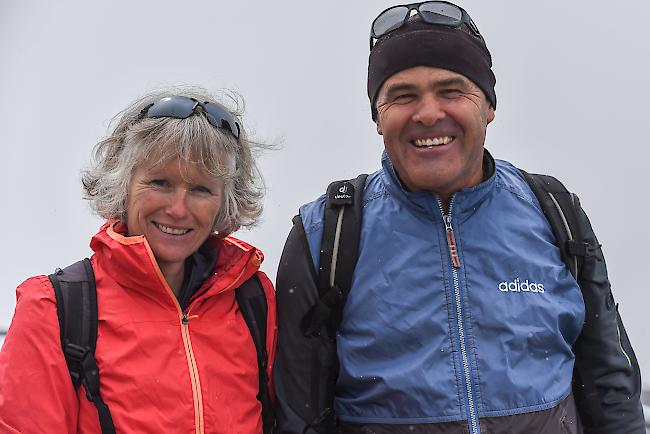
x,y
142,353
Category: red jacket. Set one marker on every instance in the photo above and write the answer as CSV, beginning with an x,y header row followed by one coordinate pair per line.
x,y
158,375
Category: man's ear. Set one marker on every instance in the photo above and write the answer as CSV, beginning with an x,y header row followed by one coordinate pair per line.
x,y
490,115
379,131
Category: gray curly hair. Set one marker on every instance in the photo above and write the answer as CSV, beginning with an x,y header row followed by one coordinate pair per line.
x,y
194,140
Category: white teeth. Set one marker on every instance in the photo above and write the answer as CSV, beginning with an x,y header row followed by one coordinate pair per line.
x,y
434,141
171,231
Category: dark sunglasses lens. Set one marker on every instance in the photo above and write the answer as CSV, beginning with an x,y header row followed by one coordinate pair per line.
x,y
179,107
440,13
221,118
389,20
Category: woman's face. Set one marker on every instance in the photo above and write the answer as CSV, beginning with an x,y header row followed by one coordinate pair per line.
x,y
174,206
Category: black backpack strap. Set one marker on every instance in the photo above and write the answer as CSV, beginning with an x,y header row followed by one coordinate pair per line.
x,y
603,332
76,301
561,210
338,259
338,255
251,300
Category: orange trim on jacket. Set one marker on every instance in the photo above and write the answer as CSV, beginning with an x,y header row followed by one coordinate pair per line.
x,y
162,370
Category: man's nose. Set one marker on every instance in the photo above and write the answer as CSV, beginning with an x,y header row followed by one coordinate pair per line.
x,y
177,206
428,111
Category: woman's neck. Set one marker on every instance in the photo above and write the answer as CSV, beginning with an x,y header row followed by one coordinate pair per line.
x,y
174,274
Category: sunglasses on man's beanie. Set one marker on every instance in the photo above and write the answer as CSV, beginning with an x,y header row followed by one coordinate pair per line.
x,y
440,13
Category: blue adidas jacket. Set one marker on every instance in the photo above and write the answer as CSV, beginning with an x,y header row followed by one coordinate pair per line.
x,y
469,322
432,335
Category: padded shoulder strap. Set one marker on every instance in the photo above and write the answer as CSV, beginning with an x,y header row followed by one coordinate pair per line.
x,y
251,300
339,251
561,210
338,259
76,301
341,227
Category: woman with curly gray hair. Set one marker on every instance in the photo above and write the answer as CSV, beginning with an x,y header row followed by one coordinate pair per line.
x,y
185,321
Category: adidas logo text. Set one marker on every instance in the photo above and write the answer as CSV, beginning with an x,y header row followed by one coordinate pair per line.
x,y
521,286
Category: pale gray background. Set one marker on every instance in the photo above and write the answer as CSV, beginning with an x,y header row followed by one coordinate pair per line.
x,y
572,94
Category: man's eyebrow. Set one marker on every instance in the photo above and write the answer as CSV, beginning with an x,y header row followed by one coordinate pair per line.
x,y
394,88
459,82
454,82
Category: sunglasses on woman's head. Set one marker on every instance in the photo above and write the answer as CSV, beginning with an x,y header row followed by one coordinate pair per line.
x,y
182,107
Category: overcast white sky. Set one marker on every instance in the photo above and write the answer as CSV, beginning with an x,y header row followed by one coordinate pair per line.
x,y
572,101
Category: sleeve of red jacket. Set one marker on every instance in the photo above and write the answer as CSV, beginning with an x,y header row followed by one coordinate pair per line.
x,y
36,393
271,327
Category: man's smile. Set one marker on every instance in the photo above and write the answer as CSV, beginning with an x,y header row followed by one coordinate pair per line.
x,y
432,141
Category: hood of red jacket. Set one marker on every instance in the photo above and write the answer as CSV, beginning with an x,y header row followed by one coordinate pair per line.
x,y
130,261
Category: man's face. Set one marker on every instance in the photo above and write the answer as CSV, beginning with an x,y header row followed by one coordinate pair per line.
x,y
433,122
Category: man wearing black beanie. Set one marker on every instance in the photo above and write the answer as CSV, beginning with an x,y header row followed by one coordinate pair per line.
x,y
448,292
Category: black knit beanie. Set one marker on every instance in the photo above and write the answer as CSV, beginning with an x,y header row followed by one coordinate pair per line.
x,y
417,43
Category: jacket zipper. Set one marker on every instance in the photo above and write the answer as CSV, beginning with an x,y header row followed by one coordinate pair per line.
x,y
185,333
187,343
455,265
189,352
194,374
191,361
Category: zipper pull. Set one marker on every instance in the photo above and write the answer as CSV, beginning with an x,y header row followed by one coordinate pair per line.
x,y
451,241
184,320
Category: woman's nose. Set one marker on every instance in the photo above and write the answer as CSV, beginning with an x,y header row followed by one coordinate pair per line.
x,y
177,206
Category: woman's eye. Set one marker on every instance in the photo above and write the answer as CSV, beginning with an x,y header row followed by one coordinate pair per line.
x,y
201,189
158,183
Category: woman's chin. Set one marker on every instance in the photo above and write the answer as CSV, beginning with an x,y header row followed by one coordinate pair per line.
x,y
170,255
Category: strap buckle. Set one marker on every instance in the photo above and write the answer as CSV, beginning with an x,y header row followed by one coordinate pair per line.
x,y
88,373
313,321
321,421
581,249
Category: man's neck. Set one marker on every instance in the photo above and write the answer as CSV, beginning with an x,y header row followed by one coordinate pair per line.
x,y
487,169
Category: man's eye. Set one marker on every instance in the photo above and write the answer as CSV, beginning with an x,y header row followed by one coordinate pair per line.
x,y
403,98
452,93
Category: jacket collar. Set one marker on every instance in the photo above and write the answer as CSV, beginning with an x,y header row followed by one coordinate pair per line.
x,y
427,202
199,266
130,262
